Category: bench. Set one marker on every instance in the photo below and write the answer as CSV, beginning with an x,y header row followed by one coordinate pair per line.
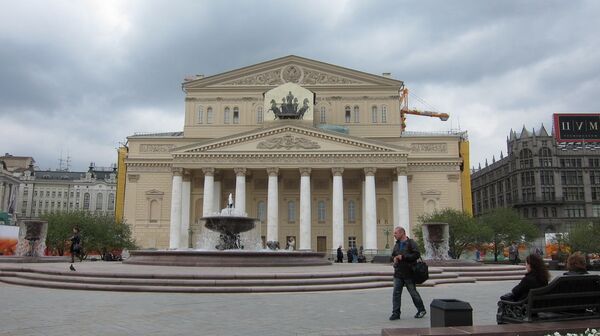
x,y
574,297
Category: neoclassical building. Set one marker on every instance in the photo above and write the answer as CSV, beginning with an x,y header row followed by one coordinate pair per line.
x,y
313,150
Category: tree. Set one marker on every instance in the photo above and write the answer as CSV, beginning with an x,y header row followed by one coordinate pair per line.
x,y
507,226
463,229
100,233
584,237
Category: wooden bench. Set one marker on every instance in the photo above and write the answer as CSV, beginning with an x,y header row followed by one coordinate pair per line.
x,y
575,297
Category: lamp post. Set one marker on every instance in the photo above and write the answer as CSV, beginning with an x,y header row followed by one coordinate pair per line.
x,y
387,231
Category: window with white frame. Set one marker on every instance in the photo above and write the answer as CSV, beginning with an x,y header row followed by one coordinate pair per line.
x,y
86,201
236,115
99,202
384,114
261,211
374,114
351,211
259,115
227,115
321,211
200,114
111,201
323,115
356,114
291,211
347,114
209,115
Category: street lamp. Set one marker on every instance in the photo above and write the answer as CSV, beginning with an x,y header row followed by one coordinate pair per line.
x,y
387,231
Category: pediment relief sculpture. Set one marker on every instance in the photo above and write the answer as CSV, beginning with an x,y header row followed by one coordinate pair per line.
x,y
288,142
292,74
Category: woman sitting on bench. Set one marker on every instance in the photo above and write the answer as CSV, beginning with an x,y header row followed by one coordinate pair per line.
x,y
576,264
537,276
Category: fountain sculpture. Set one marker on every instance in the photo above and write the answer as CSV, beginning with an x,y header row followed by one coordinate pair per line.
x,y
222,245
436,238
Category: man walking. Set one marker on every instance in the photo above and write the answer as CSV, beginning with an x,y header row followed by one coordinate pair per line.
x,y
405,254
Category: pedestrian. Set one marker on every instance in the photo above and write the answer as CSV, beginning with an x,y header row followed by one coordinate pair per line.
x,y
405,255
76,248
576,264
477,255
340,255
537,276
354,254
350,254
513,253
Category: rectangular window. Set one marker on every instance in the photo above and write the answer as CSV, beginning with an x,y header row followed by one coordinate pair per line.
x,y
575,211
573,193
259,115
595,193
236,115
595,210
322,116
527,179
548,193
200,115
374,114
594,162
547,177
595,177
570,163
571,177
351,241
384,114
554,212
545,212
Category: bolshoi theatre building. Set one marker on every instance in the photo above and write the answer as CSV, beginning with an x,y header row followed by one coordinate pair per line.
x,y
316,152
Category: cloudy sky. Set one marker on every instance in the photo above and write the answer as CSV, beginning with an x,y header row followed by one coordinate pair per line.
x,y
78,77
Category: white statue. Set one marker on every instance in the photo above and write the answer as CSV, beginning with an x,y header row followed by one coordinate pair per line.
x,y
230,201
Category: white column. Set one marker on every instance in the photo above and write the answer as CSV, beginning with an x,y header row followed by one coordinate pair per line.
x,y
240,189
395,202
186,191
175,225
273,205
403,214
209,184
338,208
370,234
305,220
217,195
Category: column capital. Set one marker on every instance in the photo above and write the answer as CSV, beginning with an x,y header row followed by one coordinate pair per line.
x,y
240,171
187,175
370,171
402,171
177,171
208,171
273,171
337,171
305,171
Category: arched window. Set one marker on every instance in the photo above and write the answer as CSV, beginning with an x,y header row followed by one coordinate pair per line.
x,y
111,201
261,211
351,211
347,115
200,114
291,211
321,211
209,115
383,113
322,116
356,114
227,115
259,115
86,201
236,115
374,114
99,202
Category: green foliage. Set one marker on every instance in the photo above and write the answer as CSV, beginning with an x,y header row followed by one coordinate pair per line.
x,y
464,229
584,237
507,226
100,233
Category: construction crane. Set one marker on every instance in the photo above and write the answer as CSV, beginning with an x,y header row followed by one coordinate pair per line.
x,y
404,110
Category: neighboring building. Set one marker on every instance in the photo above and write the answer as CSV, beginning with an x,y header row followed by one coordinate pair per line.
x,y
332,169
11,167
552,184
43,192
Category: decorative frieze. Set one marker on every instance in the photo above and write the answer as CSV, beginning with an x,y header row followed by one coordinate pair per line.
x,y
288,142
292,74
154,148
429,148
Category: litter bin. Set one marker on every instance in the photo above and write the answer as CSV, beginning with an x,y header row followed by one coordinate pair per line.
x,y
450,313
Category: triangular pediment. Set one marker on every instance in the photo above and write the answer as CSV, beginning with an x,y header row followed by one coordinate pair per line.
x,y
290,138
291,69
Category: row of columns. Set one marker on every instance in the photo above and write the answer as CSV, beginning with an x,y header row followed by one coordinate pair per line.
x,y
180,205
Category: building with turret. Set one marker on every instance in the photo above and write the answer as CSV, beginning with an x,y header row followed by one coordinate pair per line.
x,y
554,184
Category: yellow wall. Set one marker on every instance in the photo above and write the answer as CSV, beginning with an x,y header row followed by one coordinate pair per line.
x,y
121,177
467,198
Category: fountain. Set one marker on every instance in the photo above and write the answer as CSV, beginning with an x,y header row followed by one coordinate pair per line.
x,y
219,237
436,238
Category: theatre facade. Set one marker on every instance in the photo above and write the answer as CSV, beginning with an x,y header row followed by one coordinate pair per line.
x,y
313,150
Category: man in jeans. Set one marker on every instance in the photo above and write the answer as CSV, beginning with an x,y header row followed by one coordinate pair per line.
x,y
405,254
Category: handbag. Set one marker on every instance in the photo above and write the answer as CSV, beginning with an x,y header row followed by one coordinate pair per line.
x,y
420,272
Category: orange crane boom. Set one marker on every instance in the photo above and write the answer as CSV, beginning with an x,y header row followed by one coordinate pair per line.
x,y
404,110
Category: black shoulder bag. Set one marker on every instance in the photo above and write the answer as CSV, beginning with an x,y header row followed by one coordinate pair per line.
x,y
420,271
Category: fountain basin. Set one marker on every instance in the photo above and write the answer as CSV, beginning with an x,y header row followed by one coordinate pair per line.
x,y
226,258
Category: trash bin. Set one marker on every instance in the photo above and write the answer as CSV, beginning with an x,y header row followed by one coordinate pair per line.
x,y
450,313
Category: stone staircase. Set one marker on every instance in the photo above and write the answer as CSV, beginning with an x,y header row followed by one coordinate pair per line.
x,y
262,281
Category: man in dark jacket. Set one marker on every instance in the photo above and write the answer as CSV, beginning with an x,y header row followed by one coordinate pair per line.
x,y
405,254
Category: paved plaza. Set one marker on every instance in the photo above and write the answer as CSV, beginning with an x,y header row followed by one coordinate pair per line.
x,y
40,311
